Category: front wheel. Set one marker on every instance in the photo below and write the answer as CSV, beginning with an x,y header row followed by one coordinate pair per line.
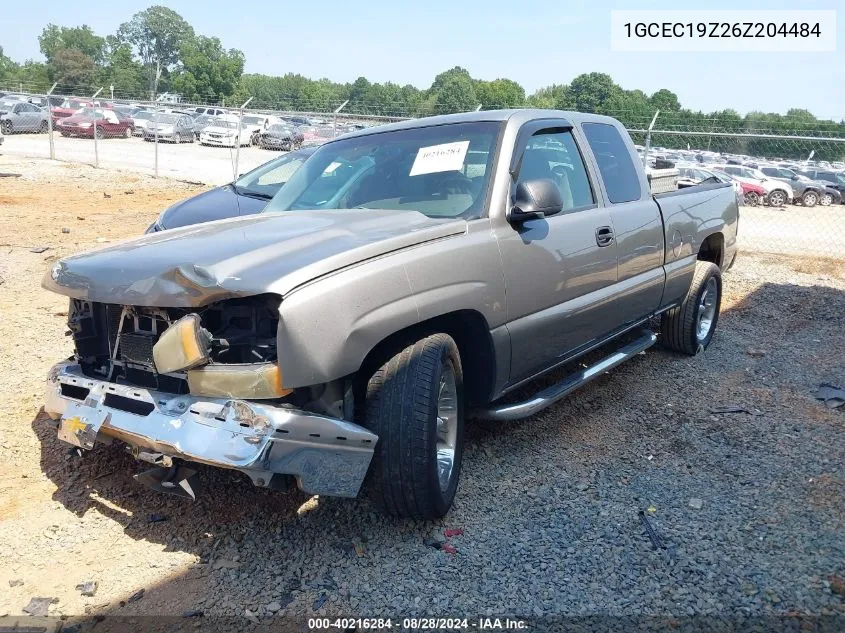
x,y
7,127
99,133
689,327
777,198
414,403
43,127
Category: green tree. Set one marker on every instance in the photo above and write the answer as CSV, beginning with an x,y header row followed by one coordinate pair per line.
x,y
122,71
80,38
157,33
72,68
592,91
554,97
206,70
665,101
452,91
499,93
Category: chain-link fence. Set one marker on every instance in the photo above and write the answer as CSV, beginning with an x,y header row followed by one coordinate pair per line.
x,y
792,182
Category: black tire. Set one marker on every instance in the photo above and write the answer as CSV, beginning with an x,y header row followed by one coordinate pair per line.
x,y
99,133
810,198
7,127
752,199
679,326
402,409
826,199
43,127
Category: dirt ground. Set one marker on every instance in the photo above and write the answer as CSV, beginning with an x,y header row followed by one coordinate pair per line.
x,y
65,521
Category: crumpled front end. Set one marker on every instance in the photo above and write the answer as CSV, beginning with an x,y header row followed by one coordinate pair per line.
x,y
326,456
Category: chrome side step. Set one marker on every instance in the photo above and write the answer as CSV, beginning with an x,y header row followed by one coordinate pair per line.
x,y
550,395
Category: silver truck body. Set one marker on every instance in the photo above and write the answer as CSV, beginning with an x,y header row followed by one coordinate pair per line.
x,y
519,300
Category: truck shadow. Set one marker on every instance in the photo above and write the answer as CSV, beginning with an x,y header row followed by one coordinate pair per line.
x,y
789,325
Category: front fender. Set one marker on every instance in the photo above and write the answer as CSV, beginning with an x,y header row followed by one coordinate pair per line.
x,y
329,326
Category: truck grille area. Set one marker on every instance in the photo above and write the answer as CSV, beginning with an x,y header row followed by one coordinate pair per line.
x,y
115,342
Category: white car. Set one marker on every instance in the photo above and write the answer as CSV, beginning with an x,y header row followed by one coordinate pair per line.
x,y
778,193
141,120
224,131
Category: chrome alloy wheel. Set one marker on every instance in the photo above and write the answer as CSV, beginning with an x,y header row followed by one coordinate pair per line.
x,y
447,426
707,309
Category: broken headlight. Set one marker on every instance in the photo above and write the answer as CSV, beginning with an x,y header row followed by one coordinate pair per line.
x,y
254,381
184,345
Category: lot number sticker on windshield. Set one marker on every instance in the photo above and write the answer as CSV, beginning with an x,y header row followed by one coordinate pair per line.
x,y
437,158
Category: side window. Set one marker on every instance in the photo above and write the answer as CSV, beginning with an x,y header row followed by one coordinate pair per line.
x,y
621,178
553,154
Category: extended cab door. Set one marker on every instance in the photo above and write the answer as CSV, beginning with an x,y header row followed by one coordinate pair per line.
x,y
637,224
559,269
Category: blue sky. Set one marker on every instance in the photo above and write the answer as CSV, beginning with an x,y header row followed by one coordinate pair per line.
x,y
533,42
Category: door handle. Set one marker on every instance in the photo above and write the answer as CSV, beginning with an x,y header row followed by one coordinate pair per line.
x,y
604,236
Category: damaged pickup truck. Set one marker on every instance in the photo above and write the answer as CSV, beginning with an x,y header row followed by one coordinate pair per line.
x,y
406,278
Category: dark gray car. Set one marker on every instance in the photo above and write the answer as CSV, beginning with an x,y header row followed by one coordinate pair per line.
x,y
20,116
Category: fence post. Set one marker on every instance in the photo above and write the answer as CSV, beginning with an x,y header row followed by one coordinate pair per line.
x,y
648,140
50,122
238,137
96,148
155,137
334,122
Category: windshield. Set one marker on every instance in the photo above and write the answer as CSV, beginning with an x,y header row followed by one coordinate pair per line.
x,y
142,115
167,119
10,103
253,120
281,129
71,104
440,171
266,180
231,125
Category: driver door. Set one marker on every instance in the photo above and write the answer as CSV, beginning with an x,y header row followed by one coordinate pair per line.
x,y
559,269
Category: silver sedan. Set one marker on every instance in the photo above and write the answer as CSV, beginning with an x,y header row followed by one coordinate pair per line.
x,y
20,116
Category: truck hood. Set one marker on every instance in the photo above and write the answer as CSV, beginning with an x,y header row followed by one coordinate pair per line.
x,y
238,257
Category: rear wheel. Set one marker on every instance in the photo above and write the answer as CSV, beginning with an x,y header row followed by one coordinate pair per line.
x,y
128,132
43,127
99,133
826,199
689,328
752,198
810,199
7,127
414,403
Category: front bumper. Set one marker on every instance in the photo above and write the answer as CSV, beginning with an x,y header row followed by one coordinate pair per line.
x,y
327,456
225,141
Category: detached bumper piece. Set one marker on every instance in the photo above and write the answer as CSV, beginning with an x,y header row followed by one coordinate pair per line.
x,y
327,456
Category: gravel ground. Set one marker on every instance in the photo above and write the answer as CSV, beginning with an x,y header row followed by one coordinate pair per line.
x,y
750,506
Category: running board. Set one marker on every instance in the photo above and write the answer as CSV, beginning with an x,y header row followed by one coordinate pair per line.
x,y
550,395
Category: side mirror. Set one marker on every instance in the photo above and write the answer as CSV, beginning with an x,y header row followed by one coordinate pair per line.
x,y
795,177
535,199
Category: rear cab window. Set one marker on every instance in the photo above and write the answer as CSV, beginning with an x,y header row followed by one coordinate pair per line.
x,y
621,178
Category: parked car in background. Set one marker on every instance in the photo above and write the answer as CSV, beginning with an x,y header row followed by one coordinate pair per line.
x,y
173,128
808,192
140,120
22,116
248,194
200,123
109,124
281,136
210,111
258,123
835,179
225,131
72,105
778,193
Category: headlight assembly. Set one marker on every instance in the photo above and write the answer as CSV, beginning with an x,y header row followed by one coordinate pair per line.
x,y
254,381
184,345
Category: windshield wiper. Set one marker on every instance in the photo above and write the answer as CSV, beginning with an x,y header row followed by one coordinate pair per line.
x,y
252,194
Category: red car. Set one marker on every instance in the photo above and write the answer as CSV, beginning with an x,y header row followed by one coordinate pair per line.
x,y
109,124
72,105
752,194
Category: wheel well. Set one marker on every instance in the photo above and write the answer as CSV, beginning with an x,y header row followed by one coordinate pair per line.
x,y
471,333
712,249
